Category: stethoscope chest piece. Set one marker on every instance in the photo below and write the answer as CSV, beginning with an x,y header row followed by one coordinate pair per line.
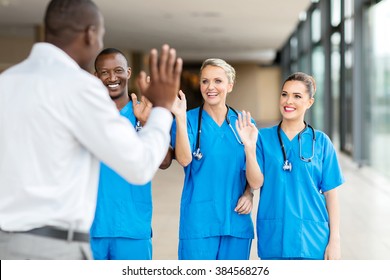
x,y
197,154
287,166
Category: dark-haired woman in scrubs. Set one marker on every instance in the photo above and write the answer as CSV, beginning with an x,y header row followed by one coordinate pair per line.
x,y
298,214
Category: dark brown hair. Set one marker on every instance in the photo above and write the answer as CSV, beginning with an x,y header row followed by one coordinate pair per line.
x,y
308,81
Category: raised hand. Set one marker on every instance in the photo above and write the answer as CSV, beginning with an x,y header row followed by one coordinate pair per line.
x,y
165,74
179,107
141,109
247,130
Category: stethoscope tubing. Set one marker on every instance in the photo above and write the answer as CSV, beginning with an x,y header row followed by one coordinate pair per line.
x,y
287,166
197,153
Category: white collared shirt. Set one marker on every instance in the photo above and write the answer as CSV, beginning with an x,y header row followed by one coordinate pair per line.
x,y
56,122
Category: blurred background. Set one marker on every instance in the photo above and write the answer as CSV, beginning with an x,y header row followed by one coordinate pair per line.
x,y
344,44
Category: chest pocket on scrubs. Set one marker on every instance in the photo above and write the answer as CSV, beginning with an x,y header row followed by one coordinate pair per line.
x,y
309,161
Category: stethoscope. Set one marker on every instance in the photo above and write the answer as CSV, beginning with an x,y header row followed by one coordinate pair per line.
x,y
138,126
287,166
197,153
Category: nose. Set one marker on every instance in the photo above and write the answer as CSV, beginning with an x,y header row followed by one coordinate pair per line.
x,y
210,85
112,76
289,99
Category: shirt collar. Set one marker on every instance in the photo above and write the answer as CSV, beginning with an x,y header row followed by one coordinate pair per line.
x,y
50,51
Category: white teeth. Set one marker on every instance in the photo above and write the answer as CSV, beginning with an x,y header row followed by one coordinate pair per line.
x,y
289,109
113,86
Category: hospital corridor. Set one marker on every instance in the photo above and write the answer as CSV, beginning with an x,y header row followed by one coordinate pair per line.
x,y
364,211
341,48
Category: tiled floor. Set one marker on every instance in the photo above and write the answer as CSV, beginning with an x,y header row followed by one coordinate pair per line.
x,y
364,205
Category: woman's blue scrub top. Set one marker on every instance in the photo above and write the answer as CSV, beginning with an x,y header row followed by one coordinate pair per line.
x,y
292,219
122,209
213,184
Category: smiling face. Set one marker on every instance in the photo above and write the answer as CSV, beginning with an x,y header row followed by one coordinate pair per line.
x,y
294,101
113,71
214,85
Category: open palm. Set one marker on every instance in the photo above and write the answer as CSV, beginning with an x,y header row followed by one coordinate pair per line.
x,y
247,130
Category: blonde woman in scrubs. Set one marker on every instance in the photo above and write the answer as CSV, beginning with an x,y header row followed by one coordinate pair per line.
x,y
298,215
221,169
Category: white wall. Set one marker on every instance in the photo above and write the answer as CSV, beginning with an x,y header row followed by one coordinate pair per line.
x,y
257,91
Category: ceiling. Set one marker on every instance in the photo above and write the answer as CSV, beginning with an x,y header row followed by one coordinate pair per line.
x,y
247,30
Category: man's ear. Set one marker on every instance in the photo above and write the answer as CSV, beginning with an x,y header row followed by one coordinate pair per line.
x,y
128,72
90,34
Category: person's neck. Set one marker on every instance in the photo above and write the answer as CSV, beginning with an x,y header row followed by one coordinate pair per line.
x,y
122,101
217,112
292,127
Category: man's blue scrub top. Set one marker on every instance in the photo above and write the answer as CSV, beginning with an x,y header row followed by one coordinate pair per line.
x,y
122,209
292,219
213,185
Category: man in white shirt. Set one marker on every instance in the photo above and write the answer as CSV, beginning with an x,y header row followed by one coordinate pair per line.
x,y
57,121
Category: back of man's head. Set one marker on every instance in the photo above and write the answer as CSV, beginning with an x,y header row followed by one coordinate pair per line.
x,y
76,27
65,18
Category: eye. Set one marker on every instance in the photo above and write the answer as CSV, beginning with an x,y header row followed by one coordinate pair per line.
x,y
119,71
204,82
298,96
218,81
284,94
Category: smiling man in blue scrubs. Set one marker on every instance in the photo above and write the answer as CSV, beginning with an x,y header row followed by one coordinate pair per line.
x,y
122,229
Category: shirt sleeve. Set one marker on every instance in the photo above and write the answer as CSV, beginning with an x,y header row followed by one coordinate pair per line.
x,y
331,174
97,124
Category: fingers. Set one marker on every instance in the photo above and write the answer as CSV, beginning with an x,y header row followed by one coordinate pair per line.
x,y
162,67
244,119
244,209
167,66
142,81
182,95
146,101
178,69
171,61
249,120
164,82
153,65
244,206
163,62
134,98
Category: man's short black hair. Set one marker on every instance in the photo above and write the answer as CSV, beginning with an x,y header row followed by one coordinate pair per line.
x,y
109,51
66,17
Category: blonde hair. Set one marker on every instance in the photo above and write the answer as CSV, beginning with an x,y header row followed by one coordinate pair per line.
x,y
229,70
